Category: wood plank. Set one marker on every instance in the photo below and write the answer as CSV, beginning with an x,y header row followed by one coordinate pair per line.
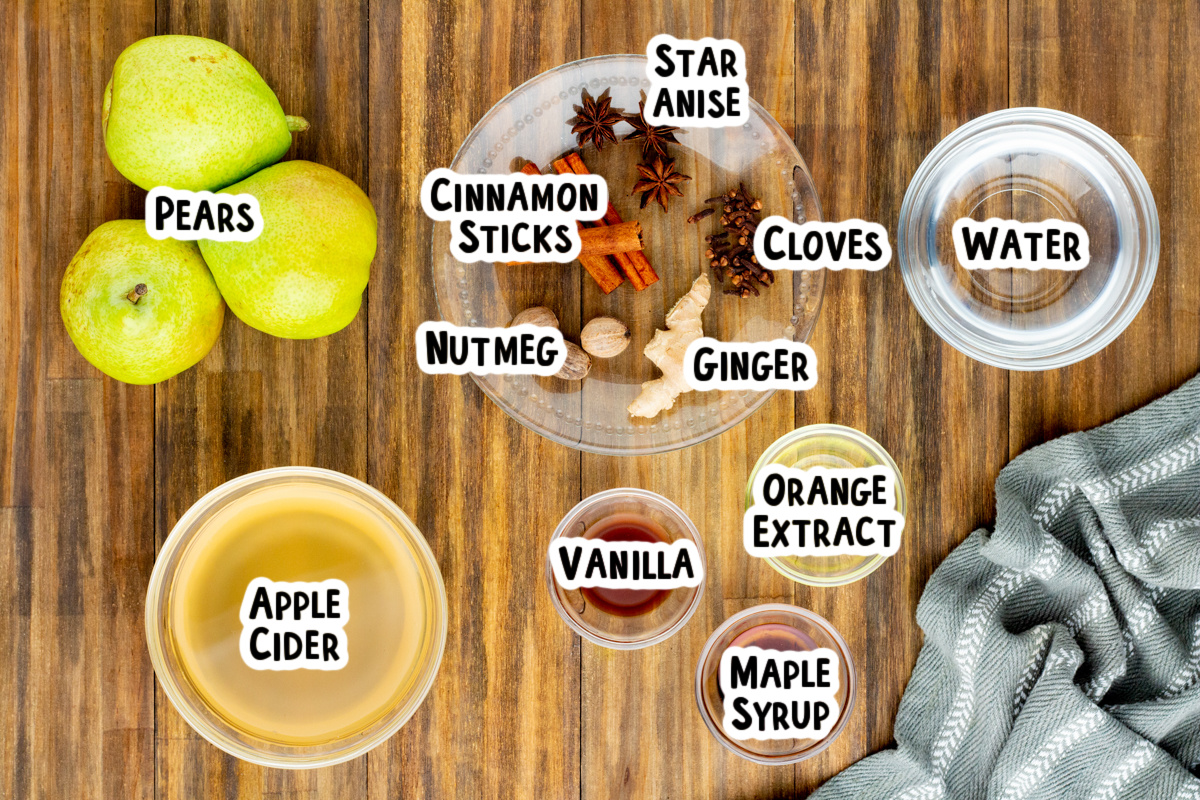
x,y
642,734
502,718
878,85
1129,69
76,481
257,401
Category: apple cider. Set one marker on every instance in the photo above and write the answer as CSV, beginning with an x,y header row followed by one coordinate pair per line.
x,y
299,615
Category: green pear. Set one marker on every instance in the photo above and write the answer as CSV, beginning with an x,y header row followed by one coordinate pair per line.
x,y
304,276
191,113
140,309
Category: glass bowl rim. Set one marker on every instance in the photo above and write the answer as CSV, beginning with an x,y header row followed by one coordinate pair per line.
x,y
1047,355
689,528
162,578
764,396
851,683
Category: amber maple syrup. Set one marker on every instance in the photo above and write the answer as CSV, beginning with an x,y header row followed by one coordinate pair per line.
x,y
626,527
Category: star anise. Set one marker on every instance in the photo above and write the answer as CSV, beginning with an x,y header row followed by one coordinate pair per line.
x,y
654,138
659,181
595,119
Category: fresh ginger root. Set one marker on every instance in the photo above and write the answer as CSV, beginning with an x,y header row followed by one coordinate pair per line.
x,y
667,349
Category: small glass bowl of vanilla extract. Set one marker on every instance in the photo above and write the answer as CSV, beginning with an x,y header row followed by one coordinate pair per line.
x,y
626,619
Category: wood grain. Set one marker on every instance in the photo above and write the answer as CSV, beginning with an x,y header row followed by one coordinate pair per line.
x,y
93,473
257,401
911,74
502,718
76,449
642,735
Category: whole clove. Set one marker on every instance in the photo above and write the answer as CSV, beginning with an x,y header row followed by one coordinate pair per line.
x,y
730,252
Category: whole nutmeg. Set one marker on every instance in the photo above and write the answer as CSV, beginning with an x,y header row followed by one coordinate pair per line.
x,y
537,315
605,337
577,365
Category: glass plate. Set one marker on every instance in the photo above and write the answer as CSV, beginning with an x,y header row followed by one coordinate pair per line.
x,y
530,124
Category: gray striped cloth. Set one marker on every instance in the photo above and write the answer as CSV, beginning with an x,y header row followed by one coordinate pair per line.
x,y
1062,651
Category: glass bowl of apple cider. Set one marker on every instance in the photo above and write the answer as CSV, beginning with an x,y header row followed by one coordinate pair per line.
x,y
296,617
626,619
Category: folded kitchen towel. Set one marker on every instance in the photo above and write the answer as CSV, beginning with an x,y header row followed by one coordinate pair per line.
x,y
1062,651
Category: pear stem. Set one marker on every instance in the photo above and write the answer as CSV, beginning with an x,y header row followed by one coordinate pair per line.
x,y
138,293
296,124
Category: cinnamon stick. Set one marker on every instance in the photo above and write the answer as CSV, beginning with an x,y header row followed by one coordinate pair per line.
x,y
623,260
634,264
603,271
611,239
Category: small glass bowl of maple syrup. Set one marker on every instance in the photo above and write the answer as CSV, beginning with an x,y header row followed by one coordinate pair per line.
x,y
773,626
626,619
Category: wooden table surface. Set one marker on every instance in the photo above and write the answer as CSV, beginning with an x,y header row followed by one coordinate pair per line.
x,y
94,473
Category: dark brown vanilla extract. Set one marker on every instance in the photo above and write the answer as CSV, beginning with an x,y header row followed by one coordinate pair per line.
x,y
626,602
